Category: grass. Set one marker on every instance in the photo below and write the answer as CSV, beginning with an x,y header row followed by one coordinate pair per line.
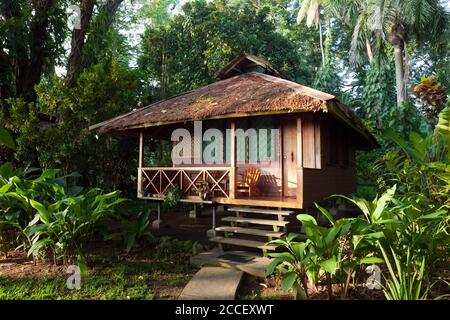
x,y
160,274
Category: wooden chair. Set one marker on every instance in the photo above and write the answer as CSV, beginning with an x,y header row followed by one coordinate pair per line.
x,y
249,180
270,183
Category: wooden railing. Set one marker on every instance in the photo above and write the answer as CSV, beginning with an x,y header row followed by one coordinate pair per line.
x,y
154,182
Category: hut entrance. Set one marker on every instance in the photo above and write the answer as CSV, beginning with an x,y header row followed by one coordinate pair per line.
x,y
289,157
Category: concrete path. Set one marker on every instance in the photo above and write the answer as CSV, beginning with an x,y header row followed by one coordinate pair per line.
x,y
212,283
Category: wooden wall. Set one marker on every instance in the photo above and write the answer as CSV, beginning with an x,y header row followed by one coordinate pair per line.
x,y
337,170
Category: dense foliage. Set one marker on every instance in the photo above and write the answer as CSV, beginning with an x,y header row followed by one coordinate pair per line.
x,y
407,227
387,60
43,214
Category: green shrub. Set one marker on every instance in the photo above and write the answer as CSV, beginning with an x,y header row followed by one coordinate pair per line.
x,y
48,217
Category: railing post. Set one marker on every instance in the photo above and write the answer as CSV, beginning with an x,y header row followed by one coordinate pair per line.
x,y
233,160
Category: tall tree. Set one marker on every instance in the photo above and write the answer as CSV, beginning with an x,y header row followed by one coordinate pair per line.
x,y
394,22
187,52
104,19
25,47
312,11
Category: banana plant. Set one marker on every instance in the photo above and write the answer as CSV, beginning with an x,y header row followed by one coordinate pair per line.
x,y
356,243
134,230
294,265
67,225
442,130
318,254
329,251
374,211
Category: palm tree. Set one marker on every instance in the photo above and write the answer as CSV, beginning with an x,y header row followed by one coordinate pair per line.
x,y
310,9
394,22
316,12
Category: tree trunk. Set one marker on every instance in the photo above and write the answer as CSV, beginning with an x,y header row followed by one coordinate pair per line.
x,y
78,40
369,50
399,38
111,8
322,51
399,75
28,58
39,35
328,40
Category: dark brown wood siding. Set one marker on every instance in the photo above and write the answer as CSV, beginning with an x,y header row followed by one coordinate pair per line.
x,y
338,170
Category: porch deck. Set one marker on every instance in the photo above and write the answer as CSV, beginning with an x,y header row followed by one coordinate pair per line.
x,y
154,183
275,202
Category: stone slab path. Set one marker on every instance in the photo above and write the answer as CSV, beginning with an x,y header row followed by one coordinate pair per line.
x,y
254,265
213,283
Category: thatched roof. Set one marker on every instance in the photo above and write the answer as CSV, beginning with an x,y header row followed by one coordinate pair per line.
x,y
244,62
246,94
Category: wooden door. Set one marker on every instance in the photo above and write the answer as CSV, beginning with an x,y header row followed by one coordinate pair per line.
x,y
289,153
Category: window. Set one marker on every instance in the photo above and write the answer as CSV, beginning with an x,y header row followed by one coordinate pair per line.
x,y
338,144
311,141
255,140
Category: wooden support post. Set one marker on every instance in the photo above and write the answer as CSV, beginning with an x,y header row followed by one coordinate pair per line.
x,y
233,160
159,210
157,223
193,213
212,232
299,193
214,217
141,163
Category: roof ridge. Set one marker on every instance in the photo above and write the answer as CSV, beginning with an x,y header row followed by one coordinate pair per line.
x,y
299,88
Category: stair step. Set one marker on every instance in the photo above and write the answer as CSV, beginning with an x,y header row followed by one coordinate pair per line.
x,y
257,221
244,243
262,211
254,232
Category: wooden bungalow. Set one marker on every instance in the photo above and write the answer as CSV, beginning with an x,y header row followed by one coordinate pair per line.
x,y
310,156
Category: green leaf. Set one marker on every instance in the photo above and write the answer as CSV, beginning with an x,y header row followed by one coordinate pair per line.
x,y
299,249
383,202
442,129
402,143
288,280
6,139
5,188
273,264
74,191
43,212
325,213
306,218
38,245
329,265
6,170
371,260
434,215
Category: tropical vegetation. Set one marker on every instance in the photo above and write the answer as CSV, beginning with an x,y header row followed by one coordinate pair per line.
x,y
387,60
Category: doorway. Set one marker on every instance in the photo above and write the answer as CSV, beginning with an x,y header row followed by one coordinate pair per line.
x,y
289,154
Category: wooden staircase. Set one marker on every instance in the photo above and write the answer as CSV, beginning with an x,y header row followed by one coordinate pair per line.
x,y
245,224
